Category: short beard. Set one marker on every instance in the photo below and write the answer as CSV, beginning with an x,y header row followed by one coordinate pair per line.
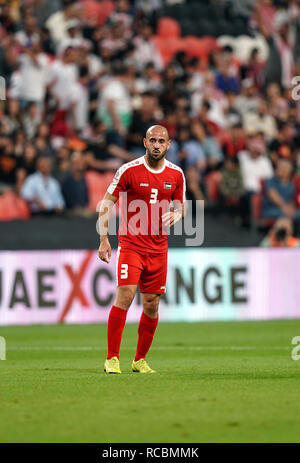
x,y
156,159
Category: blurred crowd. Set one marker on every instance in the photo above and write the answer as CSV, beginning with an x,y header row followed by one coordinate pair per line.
x,y
85,80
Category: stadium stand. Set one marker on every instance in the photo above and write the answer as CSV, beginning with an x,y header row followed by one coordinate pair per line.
x,y
203,64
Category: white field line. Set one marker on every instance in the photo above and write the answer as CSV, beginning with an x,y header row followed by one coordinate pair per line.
x,y
162,348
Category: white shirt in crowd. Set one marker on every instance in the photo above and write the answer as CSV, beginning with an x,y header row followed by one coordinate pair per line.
x,y
56,24
254,170
33,77
254,123
46,189
63,82
81,111
146,52
115,90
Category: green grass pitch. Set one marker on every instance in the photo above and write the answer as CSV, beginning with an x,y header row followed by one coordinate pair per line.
x,y
216,382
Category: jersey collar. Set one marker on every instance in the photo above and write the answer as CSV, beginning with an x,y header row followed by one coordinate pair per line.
x,y
153,170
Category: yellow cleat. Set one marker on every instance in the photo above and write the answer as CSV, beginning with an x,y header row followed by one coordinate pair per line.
x,y
112,366
141,366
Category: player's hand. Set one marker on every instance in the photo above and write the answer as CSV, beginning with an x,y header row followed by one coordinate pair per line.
x,y
170,218
104,251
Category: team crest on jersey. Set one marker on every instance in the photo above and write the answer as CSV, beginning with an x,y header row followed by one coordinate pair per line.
x,y
167,185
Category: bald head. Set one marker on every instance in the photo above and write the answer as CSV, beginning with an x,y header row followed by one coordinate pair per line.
x,y
157,143
157,130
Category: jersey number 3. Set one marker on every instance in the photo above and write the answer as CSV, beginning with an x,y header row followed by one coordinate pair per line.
x,y
124,271
153,197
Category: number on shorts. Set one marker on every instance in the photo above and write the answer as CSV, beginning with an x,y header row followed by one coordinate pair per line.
x,y
124,271
153,197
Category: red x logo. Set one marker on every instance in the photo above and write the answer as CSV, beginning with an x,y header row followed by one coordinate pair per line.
x,y
76,291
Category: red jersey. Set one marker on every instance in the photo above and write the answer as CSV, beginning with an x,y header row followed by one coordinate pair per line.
x,y
148,196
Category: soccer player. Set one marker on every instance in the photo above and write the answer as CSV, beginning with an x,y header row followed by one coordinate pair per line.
x,y
156,189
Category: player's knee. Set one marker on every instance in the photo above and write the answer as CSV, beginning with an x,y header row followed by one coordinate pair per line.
x,y
151,306
124,298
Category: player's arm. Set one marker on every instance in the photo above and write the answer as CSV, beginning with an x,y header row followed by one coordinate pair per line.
x,y
105,211
170,218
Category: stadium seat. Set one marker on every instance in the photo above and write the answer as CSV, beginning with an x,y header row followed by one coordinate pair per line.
x,y
13,207
168,47
168,28
212,185
209,44
200,47
97,185
193,46
99,10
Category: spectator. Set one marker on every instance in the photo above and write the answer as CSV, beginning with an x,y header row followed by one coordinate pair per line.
x,y
225,81
277,104
232,191
149,81
73,35
28,162
145,49
255,166
42,191
253,70
209,144
280,64
115,103
42,140
9,163
260,121
12,120
281,235
62,79
231,186
233,140
247,101
102,153
279,194
34,66
31,120
284,144
27,165
29,35
57,22
62,162
194,188
186,152
74,187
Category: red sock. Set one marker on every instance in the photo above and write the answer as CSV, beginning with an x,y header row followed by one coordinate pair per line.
x,y
115,326
147,327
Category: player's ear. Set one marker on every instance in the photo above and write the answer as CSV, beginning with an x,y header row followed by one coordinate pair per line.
x,y
144,141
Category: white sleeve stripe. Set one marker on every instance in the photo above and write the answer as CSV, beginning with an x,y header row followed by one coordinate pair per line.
x,y
184,188
121,171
